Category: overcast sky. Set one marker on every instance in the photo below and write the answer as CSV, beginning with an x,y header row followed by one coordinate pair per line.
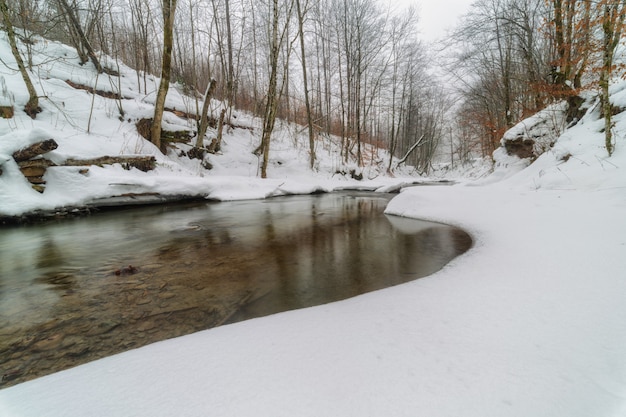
x,y
435,16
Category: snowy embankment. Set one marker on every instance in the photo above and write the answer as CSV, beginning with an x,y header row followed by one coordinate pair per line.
x,y
87,126
530,322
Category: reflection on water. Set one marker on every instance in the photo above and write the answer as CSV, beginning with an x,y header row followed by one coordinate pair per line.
x,y
85,288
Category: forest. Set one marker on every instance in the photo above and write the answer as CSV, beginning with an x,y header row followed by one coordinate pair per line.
x,y
346,134
356,69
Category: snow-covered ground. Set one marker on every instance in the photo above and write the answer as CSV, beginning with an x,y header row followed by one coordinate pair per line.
x,y
87,126
530,322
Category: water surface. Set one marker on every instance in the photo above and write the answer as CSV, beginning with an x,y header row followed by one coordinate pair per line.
x,y
80,289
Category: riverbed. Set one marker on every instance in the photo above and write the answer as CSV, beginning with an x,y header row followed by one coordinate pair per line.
x,y
79,289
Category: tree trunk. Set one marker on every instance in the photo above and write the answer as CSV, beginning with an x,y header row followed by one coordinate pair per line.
x,y
306,86
35,149
142,163
169,11
220,129
81,34
612,26
572,34
204,119
273,93
416,145
230,82
606,107
272,99
32,106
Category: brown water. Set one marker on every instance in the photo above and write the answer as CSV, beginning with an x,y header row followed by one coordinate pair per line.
x,y
82,289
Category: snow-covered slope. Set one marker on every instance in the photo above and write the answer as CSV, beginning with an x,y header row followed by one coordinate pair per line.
x,y
87,126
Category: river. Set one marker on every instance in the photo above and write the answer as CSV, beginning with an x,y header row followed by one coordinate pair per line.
x,y
79,289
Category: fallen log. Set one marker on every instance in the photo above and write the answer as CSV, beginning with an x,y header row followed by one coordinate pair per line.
x,y
34,150
39,162
144,128
142,163
413,147
35,167
178,136
101,93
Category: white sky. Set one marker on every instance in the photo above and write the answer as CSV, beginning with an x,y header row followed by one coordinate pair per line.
x,y
436,16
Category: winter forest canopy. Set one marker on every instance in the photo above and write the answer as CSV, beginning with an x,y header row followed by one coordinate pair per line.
x,y
351,68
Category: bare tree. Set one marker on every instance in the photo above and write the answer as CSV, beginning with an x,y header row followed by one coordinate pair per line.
x,y
204,119
77,28
571,24
141,17
277,39
32,105
30,18
526,20
230,79
324,63
169,11
305,82
407,61
503,66
614,14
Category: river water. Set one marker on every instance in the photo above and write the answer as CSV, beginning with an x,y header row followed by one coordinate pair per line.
x,y
84,288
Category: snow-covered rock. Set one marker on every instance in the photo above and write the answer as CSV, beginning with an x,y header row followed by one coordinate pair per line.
x,y
535,135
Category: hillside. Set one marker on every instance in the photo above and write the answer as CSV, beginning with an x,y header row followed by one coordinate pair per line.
x,y
87,126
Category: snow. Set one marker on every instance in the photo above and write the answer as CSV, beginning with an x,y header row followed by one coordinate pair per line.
x,y
89,126
530,322
543,128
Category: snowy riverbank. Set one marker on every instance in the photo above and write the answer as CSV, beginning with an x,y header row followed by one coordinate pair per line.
x,y
530,322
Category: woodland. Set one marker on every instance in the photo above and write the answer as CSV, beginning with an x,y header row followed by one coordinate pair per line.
x,y
351,68
528,322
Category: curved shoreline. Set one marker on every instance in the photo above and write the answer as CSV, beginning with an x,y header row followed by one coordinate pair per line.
x,y
154,274
148,199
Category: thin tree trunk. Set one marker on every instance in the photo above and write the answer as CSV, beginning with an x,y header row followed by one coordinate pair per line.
x,y
254,60
204,119
32,106
220,130
169,11
220,45
612,25
272,99
416,145
306,86
230,81
273,93
81,34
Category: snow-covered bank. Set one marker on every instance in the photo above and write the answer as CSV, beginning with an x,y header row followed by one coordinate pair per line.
x,y
530,322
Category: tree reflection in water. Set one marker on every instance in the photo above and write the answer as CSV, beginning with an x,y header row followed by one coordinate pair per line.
x,y
68,295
